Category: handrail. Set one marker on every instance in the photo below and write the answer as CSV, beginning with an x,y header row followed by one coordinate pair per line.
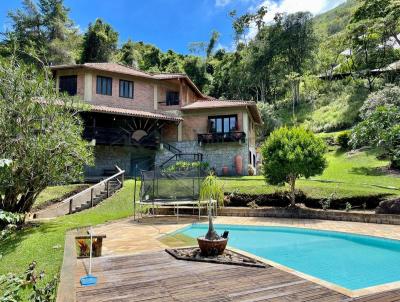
x,y
170,148
120,172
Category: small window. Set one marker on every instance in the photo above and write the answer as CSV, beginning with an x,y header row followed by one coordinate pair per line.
x,y
172,98
104,85
68,84
126,89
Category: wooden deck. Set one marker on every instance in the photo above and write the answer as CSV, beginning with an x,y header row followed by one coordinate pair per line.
x,y
158,276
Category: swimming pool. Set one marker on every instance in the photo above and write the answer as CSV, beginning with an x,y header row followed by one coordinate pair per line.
x,y
347,260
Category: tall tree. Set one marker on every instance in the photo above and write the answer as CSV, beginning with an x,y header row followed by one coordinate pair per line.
x,y
99,42
43,32
129,54
372,35
42,140
297,45
62,36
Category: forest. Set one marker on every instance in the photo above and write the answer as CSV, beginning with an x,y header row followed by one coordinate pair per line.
x,y
316,71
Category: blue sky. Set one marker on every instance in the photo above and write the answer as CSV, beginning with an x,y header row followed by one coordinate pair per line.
x,y
172,24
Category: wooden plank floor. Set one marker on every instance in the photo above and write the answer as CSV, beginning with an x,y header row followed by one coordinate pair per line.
x,y
158,276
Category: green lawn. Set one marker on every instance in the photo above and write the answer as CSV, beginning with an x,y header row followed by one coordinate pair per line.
x,y
347,176
55,192
44,243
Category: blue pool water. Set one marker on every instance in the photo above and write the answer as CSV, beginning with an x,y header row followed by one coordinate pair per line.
x,y
348,260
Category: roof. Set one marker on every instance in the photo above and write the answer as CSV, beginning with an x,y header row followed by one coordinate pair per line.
x,y
128,70
131,112
210,104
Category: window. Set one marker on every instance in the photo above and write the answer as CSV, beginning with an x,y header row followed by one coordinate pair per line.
x,y
104,85
126,89
68,84
222,124
172,98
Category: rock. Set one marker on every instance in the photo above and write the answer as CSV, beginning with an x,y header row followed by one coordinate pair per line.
x,y
389,207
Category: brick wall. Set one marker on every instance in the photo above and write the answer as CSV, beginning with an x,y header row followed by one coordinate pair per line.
x,y
195,123
143,98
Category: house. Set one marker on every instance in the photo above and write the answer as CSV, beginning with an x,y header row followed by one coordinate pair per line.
x,y
143,119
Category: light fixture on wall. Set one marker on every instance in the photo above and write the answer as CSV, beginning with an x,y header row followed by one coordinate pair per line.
x,y
161,146
93,142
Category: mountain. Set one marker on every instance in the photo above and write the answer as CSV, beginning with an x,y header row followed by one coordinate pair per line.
x,y
335,20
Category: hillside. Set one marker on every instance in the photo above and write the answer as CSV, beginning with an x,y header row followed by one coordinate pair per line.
x,y
334,20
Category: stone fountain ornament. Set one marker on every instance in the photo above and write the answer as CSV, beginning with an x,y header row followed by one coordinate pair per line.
x,y
211,244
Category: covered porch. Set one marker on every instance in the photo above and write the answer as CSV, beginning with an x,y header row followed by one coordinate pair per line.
x,y
127,138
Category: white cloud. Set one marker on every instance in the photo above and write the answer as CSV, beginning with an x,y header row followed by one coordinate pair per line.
x,y
291,6
222,2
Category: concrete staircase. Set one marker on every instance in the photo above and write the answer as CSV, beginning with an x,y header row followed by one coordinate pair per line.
x,y
85,199
114,186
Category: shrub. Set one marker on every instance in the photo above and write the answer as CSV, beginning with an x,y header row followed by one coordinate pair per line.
x,y
15,286
382,130
388,207
186,166
388,97
343,139
291,153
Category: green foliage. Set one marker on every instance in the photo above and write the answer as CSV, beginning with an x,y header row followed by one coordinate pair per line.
x,y
211,188
31,281
42,138
380,129
187,165
291,153
10,218
129,55
343,139
335,20
389,97
270,119
99,42
42,31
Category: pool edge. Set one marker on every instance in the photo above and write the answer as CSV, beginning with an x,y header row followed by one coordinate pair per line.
x,y
350,293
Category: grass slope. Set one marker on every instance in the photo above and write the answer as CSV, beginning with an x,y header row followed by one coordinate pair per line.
x,y
334,20
347,176
54,192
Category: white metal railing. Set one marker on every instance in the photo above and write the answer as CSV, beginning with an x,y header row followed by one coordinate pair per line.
x,y
105,182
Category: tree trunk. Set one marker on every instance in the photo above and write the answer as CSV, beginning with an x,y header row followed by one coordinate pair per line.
x,y
292,184
211,234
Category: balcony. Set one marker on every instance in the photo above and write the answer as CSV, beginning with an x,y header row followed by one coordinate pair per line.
x,y
212,138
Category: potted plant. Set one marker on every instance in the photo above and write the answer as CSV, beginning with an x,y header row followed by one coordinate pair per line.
x,y
211,244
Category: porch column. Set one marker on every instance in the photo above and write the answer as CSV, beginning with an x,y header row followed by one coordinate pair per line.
x,y
88,87
181,101
180,131
155,92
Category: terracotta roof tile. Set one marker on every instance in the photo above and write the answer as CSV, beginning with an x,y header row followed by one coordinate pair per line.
x,y
122,69
210,104
131,112
217,104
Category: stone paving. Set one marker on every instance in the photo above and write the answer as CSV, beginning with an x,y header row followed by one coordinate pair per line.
x,y
127,236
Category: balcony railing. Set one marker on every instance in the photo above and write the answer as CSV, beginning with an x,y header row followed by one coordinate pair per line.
x,y
233,136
